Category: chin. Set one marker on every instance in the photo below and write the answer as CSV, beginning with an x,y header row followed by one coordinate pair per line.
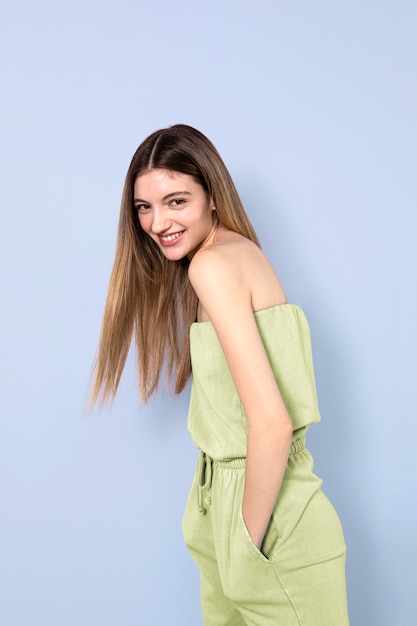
x,y
174,255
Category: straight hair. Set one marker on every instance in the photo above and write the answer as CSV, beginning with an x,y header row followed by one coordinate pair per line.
x,y
150,299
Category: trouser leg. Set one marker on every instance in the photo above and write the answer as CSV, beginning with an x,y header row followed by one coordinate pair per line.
x,y
297,579
216,608
311,566
298,576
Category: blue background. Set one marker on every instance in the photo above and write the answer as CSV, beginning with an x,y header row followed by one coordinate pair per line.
x,y
313,108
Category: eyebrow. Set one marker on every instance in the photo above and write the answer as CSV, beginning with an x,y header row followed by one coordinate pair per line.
x,y
167,197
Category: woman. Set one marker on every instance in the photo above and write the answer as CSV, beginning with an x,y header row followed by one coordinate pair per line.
x,y
192,285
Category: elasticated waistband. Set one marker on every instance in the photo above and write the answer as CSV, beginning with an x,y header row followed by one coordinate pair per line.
x,y
297,446
206,465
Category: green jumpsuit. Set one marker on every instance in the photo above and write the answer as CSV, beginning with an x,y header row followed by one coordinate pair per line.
x,y
298,576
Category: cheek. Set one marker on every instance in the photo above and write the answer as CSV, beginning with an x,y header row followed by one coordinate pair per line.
x,y
145,222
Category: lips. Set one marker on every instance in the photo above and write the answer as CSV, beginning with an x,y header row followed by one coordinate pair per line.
x,y
170,239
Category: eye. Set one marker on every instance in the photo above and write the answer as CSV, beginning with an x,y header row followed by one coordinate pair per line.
x,y
142,208
177,202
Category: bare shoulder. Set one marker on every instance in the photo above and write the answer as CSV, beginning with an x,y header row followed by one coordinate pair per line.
x,y
215,272
225,255
235,267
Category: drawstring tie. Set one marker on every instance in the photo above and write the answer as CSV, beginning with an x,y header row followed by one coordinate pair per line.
x,y
204,478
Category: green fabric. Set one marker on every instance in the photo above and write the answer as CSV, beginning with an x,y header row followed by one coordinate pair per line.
x,y
298,576
216,419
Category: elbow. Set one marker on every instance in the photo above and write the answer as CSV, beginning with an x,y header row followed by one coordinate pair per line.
x,y
280,437
284,432
278,432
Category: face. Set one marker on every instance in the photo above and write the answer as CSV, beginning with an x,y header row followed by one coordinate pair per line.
x,y
175,211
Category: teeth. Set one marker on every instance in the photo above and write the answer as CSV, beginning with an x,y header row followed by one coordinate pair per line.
x,y
171,237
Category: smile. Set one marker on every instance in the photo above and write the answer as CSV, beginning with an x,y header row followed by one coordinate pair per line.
x,y
167,239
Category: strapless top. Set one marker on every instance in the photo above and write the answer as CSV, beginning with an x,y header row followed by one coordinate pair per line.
x,y
216,420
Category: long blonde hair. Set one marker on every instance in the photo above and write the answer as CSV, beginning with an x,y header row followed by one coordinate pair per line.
x,y
150,298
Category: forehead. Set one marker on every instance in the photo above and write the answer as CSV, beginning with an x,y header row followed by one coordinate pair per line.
x,y
162,181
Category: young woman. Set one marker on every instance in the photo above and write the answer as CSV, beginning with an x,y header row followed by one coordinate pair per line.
x,y
193,287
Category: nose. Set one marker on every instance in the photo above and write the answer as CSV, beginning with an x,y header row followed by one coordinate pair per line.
x,y
160,221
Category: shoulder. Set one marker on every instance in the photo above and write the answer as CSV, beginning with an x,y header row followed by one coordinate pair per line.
x,y
225,258
235,270
218,278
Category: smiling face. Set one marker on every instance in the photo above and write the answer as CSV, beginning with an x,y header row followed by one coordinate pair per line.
x,y
175,211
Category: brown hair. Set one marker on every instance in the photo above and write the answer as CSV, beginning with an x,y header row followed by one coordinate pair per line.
x,y
149,297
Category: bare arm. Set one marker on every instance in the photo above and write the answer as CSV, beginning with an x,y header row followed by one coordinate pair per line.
x,y
226,299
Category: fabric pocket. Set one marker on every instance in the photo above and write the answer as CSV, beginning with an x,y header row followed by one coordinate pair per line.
x,y
269,541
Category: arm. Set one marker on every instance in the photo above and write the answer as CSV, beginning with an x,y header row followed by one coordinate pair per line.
x,y
226,298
